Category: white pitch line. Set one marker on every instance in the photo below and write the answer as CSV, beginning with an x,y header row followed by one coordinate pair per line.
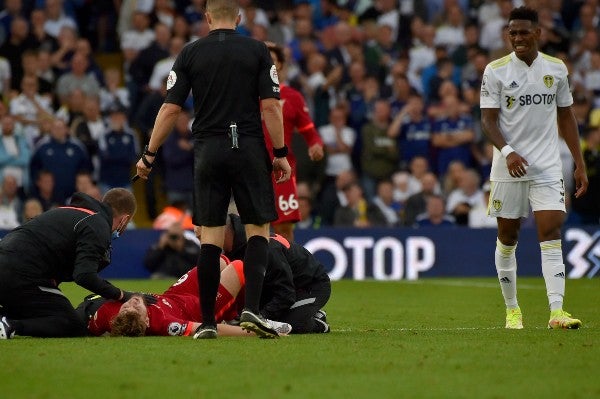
x,y
475,284
342,330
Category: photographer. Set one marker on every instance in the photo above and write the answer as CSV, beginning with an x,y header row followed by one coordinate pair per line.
x,y
173,255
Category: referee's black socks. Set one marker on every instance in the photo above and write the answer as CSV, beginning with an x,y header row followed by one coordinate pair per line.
x,y
209,274
255,265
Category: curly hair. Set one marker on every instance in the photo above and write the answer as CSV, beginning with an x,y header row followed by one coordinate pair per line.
x,y
524,13
128,324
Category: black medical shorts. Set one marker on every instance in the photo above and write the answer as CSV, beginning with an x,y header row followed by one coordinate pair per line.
x,y
245,172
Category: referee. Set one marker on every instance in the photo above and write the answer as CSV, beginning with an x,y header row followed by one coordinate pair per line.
x,y
232,78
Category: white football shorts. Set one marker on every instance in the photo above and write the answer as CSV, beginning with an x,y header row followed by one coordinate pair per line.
x,y
511,200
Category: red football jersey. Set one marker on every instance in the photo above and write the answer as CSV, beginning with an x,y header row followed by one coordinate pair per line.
x,y
295,118
173,311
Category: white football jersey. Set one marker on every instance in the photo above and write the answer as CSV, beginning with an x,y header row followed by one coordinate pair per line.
x,y
527,97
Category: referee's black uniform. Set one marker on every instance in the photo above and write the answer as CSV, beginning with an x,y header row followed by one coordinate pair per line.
x,y
64,244
228,74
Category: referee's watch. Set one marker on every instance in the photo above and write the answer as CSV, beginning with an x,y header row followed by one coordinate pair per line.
x,y
280,152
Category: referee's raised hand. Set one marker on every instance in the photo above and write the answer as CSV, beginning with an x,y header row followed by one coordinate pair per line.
x,y
282,169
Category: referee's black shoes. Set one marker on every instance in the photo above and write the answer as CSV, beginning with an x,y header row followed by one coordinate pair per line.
x,y
206,331
256,323
6,330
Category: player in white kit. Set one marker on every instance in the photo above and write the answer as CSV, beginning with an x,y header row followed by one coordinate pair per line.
x,y
525,103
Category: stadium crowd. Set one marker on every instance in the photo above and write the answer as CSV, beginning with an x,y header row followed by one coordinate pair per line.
x,y
392,86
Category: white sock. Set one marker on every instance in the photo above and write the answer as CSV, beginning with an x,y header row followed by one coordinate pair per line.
x,y
506,266
553,269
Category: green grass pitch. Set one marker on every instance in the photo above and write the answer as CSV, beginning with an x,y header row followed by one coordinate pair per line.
x,y
432,338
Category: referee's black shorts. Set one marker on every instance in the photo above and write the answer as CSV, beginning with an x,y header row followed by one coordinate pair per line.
x,y
220,171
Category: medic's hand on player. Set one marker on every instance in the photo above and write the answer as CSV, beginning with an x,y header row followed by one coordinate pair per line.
x,y
516,164
149,299
315,152
282,169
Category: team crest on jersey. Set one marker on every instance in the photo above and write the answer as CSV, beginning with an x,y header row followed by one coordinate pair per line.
x,y
497,204
548,80
175,329
171,79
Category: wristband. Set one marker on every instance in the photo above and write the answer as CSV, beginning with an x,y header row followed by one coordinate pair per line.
x,y
148,152
506,150
280,152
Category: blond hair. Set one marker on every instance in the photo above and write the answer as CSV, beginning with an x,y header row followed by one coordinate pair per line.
x,y
128,324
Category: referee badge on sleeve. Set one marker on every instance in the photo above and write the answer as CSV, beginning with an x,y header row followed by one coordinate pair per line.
x,y
273,73
171,79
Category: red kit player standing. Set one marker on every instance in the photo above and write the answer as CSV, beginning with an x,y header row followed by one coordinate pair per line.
x,y
295,117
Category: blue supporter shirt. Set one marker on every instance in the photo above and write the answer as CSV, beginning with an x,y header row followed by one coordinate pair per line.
x,y
461,152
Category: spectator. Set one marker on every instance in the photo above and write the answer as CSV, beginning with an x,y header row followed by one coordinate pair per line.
x,y
467,196
162,67
78,78
56,18
12,9
491,29
452,178
379,156
113,95
401,189
332,196
5,78
89,128
308,218
173,255
14,154
66,44
63,156
384,200
20,41
451,32
29,108
478,215
452,135
29,61
142,66
42,39
10,203
357,212
435,214
416,204
118,149
412,130
31,208
44,190
71,106
84,183
137,38
178,155
421,54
